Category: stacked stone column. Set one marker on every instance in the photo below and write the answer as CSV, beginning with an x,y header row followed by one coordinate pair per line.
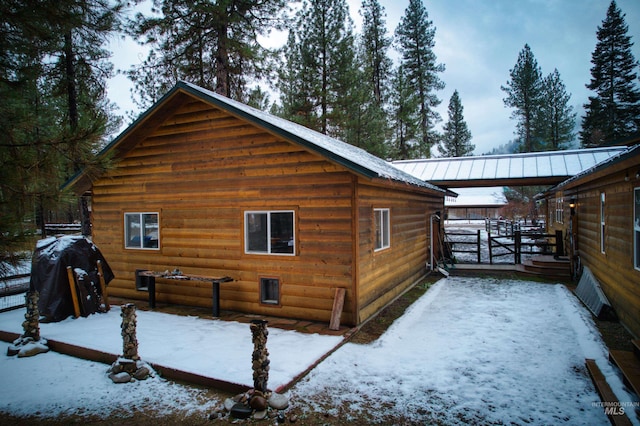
x,y
260,356
129,339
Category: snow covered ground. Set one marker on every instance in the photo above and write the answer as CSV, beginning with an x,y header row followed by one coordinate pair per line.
x,y
469,351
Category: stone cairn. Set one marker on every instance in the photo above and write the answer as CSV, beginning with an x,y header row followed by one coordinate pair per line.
x,y
129,366
30,343
256,402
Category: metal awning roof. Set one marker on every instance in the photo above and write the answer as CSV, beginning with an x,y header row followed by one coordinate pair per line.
x,y
536,168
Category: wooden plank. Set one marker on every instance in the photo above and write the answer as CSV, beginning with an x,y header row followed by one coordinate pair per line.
x,y
74,294
606,394
629,364
103,286
336,312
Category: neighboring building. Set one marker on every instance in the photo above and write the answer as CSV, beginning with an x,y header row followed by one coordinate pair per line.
x,y
216,188
475,203
599,209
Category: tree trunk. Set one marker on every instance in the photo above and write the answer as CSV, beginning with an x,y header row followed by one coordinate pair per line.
x,y
222,63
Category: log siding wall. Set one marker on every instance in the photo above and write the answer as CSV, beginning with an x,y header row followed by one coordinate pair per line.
x,y
614,268
202,169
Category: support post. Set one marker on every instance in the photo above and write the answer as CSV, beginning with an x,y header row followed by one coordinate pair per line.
x,y
517,249
478,246
559,243
215,299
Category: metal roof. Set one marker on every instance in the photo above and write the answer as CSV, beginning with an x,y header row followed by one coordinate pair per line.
x,y
536,168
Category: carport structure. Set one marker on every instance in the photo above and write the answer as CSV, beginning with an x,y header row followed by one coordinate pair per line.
x,y
526,169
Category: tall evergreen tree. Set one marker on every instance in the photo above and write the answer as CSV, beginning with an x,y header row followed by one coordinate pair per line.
x,y
614,111
524,94
210,43
557,119
323,53
405,117
456,139
54,113
296,85
375,46
415,37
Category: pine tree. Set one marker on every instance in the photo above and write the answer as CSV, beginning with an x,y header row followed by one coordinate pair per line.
x,y
614,111
405,118
54,114
456,139
210,43
296,85
557,119
524,93
415,37
375,46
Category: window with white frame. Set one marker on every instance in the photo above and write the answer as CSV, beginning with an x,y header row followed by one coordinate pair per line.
x,y
602,222
381,228
560,210
269,232
141,231
636,228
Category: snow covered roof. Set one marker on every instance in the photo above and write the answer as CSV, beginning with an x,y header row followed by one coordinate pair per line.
x,y
534,168
349,156
476,197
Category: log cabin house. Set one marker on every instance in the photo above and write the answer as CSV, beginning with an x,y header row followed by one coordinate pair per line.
x,y
599,211
213,187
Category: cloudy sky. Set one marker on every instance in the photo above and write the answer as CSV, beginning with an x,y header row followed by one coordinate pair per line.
x,y
478,41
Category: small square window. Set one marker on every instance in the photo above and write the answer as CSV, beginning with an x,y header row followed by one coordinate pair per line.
x,y
270,291
141,231
381,228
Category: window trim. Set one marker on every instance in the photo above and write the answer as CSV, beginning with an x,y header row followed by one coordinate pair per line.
x,y
602,222
385,219
141,236
270,302
268,252
636,229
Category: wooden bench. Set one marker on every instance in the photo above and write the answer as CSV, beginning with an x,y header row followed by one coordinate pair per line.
x,y
151,276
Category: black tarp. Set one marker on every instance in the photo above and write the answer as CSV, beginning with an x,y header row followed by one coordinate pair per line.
x,y
49,276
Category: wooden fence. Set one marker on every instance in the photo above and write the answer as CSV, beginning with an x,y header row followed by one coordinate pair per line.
x,y
520,243
454,244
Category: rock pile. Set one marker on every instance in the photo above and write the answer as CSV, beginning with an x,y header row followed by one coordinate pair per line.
x,y
30,343
129,366
253,404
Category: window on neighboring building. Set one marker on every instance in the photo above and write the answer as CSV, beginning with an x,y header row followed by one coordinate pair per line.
x,y
636,228
270,291
269,232
141,231
382,228
560,210
602,222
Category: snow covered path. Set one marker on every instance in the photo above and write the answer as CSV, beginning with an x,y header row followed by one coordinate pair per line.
x,y
470,350
474,351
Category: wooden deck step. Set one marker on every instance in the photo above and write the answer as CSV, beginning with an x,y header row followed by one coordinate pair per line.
x,y
606,394
636,347
629,364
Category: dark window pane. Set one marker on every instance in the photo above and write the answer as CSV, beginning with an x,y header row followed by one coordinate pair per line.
x,y
270,291
282,232
257,232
